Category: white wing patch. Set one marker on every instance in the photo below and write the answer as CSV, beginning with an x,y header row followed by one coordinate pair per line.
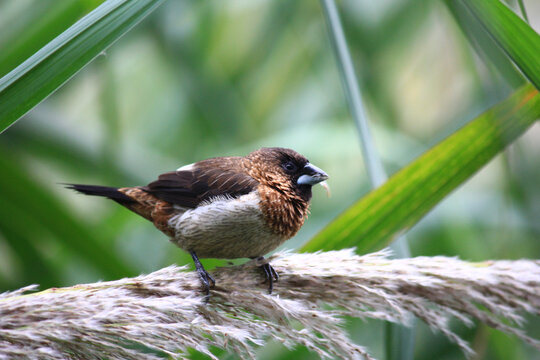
x,y
186,167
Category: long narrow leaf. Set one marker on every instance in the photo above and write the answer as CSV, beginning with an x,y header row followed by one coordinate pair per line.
x,y
407,196
55,63
374,166
487,48
512,34
41,22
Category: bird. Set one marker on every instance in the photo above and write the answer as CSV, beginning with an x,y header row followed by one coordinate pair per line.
x,y
226,207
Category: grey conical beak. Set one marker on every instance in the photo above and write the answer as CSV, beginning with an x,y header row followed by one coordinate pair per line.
x,y
311,175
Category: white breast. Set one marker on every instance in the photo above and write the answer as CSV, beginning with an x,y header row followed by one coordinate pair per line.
x,y
225,228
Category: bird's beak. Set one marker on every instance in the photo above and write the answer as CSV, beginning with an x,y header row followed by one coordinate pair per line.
x,y
311,175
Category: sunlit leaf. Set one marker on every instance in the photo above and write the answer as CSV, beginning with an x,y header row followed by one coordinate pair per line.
x,y
406,197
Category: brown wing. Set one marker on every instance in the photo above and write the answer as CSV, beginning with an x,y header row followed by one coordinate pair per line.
x,y
203,181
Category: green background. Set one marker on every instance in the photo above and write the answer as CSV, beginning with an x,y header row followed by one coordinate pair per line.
x,y
202,79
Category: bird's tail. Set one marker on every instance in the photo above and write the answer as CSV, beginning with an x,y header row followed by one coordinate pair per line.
x,y
105,191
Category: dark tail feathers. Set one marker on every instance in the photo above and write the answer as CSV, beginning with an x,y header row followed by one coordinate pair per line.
x,y
106,191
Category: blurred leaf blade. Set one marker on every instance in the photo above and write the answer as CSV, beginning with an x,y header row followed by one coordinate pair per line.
x,y
63,152
406,197
399,339
45,71
32,206
20,239
514,36
523,10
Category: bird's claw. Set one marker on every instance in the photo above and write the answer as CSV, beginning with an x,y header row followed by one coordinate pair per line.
x,y
271,276
207,280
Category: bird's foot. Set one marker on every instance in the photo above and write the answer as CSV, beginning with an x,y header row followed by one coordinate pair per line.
x,y
269,272
207,280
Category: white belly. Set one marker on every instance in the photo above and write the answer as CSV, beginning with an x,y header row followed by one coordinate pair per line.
x,y
225,228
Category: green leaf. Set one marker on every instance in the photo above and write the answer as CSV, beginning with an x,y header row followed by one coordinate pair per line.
x,y
514,36
488,50
46,70
41,22
523,11
406,197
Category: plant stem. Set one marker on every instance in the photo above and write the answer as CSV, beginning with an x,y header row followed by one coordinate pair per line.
x,y
400,340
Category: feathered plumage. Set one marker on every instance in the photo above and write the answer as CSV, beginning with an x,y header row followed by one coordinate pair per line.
x,y
226,207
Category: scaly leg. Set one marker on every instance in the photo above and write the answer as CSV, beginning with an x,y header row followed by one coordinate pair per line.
x,y
205,277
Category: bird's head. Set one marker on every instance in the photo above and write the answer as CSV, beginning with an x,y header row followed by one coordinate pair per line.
x,y
285,170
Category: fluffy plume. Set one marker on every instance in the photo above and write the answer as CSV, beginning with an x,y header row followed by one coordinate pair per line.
x,y
163,313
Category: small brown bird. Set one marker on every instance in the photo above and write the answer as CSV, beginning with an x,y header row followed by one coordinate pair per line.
x,y
226,207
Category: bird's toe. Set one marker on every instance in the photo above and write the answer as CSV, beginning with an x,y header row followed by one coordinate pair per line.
x,y
271,275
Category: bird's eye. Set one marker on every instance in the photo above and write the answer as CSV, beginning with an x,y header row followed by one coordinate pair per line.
x,y
289,166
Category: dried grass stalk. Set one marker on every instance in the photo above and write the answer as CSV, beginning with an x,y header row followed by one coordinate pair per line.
x,y
163,312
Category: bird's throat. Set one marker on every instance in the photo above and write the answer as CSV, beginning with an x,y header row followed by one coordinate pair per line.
x,y
284,214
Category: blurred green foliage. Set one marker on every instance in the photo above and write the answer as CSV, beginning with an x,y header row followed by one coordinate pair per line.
x,y
201,79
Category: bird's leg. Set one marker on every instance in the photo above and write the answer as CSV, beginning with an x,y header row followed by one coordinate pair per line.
x,y
269,272
205,277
